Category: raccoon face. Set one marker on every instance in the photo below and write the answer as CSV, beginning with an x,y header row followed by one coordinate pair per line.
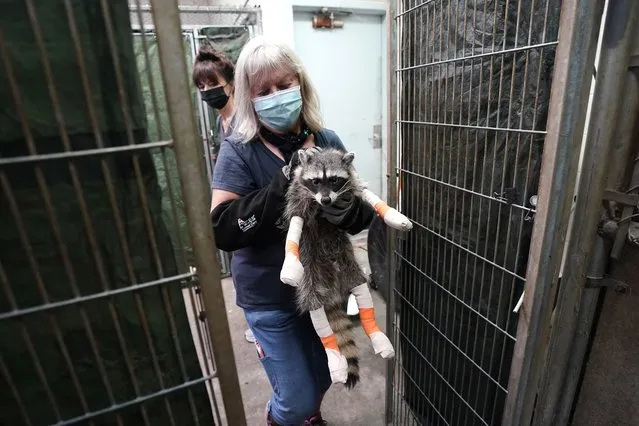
x,y
326,174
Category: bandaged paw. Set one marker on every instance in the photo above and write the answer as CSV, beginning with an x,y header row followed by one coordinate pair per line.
x,y
396,220
382,345
337,366
292,271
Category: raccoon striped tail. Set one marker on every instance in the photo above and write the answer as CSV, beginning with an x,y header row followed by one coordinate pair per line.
x,y
342,327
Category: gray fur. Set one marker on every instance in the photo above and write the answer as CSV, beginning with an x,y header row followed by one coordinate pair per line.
x,y
330,268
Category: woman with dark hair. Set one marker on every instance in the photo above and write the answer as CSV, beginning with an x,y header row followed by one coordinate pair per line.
x,y
213,75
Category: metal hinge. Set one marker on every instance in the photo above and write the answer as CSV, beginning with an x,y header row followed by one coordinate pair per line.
x,y
619,228
607,282
621,198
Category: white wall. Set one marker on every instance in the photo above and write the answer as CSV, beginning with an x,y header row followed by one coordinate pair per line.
x,y
277,20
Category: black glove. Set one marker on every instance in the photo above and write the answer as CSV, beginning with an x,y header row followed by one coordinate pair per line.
x,y
251,219
256,218
349,213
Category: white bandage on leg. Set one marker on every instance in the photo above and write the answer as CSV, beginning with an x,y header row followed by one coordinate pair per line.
x,y
363,296
295,229
391,217
292,269
352,308
382,345
370,197
380,342
337,364
320,323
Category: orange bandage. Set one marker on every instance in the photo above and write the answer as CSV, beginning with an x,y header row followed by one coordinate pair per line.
x,y
293,248
381,208
330,342
367,318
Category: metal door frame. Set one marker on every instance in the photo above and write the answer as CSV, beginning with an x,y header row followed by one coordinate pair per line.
x,y
196,194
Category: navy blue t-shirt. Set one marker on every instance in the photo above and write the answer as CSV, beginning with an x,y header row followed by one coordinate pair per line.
x,y
243,168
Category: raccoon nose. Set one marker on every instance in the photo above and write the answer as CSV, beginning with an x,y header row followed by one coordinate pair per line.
x,y
325,201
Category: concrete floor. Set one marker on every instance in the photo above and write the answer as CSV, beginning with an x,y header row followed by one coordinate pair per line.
x,y
362,406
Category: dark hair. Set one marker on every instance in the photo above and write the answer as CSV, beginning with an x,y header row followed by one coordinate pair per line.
x,y
210,65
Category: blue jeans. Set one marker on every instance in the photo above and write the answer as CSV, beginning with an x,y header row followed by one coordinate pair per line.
x,y
295,363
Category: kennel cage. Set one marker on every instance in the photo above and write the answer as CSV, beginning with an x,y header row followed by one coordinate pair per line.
x,y
109,247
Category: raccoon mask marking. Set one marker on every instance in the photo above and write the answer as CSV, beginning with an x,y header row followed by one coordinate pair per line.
x,y
326,176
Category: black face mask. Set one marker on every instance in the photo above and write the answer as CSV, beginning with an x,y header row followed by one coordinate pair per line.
x,y
215,98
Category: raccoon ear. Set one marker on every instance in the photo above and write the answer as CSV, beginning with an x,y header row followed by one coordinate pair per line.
x,y
348,158
302,156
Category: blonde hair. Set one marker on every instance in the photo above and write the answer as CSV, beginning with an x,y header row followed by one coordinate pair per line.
x,y
261,56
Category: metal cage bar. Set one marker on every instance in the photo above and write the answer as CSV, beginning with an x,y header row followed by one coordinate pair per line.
x,y
167,20
482,140
391,39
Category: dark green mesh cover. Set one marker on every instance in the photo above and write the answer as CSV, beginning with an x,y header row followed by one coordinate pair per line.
x,y
48,344
453,297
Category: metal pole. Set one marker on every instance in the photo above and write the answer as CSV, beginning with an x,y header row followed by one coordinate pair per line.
x,y
391,154
625,136
572,75
195,191
199,9
607,99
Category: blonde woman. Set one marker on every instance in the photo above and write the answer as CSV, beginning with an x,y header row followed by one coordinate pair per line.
x,y
276,113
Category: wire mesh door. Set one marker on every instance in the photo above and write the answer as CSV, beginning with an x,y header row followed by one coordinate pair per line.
x,y
104,246
473,87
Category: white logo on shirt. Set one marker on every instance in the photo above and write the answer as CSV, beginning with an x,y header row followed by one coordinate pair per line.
x,y
247,224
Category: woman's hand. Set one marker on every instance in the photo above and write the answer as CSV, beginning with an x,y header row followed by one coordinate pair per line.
x,y
343,211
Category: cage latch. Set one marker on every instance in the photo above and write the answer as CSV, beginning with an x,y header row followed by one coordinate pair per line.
x,y
510,195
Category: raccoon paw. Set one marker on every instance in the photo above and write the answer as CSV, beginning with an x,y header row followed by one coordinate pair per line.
x,y
292,271
337,365
382,345
396,220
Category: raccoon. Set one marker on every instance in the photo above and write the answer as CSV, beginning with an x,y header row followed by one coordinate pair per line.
x,y
330,268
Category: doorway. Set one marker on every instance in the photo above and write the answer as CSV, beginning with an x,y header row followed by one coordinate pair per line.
x,y
345,64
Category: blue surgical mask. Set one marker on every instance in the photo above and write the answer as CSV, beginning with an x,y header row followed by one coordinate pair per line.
x,y
279,110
